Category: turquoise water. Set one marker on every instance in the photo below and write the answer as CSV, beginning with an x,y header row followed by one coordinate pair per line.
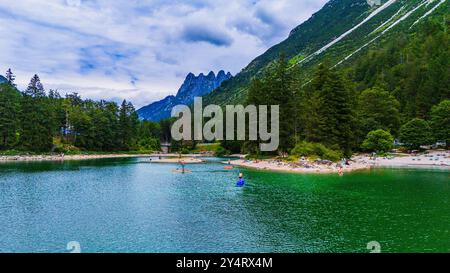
x,y
127,205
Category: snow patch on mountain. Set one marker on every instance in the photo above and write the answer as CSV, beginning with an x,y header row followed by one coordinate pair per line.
x,y
389,20
429,12
371,15
404,17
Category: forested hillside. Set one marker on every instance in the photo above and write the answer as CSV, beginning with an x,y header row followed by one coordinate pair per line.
x,y
338,34
38,121
398,89
352,78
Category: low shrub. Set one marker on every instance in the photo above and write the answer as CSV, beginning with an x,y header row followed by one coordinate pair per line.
x,y
315,151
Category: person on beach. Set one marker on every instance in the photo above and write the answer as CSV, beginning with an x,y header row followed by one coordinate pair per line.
x,y
241,181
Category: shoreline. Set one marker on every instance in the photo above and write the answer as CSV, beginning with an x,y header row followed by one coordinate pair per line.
x,y
434,159
277,166
167,158
335,170
177,160
439,160
31,158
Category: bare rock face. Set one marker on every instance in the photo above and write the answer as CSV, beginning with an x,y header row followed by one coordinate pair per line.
x,y
374,2
193,86
3,79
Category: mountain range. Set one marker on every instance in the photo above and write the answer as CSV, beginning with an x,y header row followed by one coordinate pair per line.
x,y
3,79
339,33
193,86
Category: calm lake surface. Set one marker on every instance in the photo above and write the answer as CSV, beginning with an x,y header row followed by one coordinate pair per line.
x,y
128,205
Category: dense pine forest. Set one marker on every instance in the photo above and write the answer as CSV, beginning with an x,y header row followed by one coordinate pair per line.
x,y
38,121
399,91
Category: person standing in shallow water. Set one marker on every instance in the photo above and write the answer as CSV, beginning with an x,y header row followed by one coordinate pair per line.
x,y
340,170
241,181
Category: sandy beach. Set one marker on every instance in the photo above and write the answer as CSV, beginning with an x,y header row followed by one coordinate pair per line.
x,y
300,167
435,159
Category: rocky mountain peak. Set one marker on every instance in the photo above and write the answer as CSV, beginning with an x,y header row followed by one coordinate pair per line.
x,y
193,86
3,79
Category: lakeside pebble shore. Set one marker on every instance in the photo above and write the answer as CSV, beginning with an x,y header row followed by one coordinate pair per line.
x,y
434,159
163,158
65,157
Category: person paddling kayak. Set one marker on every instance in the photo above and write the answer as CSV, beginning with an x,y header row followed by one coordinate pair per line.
x,y
241,181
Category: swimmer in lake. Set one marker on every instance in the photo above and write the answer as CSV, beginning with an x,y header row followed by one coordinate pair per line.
x,y
241,181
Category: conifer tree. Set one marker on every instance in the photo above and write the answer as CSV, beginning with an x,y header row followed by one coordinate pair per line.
x,y
276,88
128,125
35,88
36,132
335,118
9,113
10,77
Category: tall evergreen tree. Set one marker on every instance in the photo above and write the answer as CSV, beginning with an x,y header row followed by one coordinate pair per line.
x,y
337,120
312,120
9,116
281,93
35,88
276,88
257,95
128,125
10,77
36,132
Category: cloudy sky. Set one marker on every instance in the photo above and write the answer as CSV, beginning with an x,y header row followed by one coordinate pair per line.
x,y
140,50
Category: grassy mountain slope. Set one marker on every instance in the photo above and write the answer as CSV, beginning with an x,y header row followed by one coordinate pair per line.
x,y
340,32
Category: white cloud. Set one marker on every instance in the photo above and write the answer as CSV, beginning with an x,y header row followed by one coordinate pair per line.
x,y
138,50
